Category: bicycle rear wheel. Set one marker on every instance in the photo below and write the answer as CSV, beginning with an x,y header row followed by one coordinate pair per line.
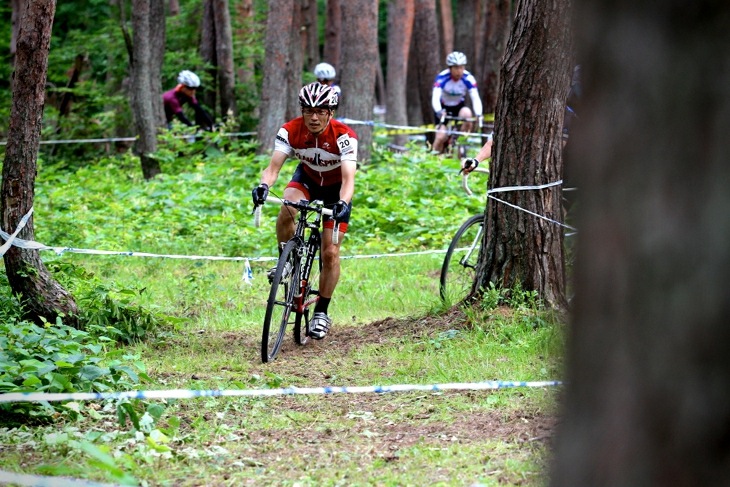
x,y
459,268
281,301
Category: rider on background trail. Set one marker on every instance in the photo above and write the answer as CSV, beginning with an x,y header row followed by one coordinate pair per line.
x,y
449,97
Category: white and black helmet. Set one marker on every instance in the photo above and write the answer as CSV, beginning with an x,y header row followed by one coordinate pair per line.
x,y
189,79
325,71
456,58
317,95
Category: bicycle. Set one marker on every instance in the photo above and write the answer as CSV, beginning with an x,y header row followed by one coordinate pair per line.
x,y
292,290
456,140
459,268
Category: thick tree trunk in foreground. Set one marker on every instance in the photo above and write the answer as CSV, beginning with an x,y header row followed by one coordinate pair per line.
x,y
519,248
42,296
647,400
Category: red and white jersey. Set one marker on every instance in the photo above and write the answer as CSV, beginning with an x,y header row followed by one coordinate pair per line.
x,y
321,156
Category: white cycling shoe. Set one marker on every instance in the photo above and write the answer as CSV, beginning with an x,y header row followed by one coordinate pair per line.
x,y
320,325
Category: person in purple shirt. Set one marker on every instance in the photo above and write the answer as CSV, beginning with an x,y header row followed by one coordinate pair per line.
x,y
184,93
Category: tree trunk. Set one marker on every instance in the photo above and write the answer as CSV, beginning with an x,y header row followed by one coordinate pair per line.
x,y
41,295
297,45
446,21
497,26
465,28
333,33
157,58
521,249
248,90
425,59
224,55
16,6
141,97
174,7
208,95
310,25
647,399
360,55
274,89
400,28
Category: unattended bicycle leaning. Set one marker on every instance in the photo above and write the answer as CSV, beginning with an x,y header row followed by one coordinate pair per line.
x,y
459,268
292,285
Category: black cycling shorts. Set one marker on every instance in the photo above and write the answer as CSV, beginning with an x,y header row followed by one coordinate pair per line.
x,y
312,191
450,111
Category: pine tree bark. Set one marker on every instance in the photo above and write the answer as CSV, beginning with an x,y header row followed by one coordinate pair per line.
x,y
157,58
224,57
41,295
142,93
424,61
360,55
465,29
333,33
498,20
400,28
297,46
520,249
274,89
646,400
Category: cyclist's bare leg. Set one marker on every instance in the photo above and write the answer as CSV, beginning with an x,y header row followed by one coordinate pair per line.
x,y
440,138
287,219
466,113
330,254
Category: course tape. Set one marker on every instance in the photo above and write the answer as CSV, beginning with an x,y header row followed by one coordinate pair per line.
x,y
11,238
42,481
405,128
33,245
11,397
122,139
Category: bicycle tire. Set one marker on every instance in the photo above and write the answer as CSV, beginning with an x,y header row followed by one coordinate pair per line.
x,y
301,327
459,268
281,301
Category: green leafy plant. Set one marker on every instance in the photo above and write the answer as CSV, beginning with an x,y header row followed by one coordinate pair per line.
x,y
59,358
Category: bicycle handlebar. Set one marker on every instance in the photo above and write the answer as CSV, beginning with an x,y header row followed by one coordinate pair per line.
x,y
310,206
465,177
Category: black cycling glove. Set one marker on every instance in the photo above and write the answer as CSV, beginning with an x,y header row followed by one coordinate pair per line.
x,y
469,165
260,193
341,210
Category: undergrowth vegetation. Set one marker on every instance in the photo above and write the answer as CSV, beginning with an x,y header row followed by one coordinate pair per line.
x,y
194,323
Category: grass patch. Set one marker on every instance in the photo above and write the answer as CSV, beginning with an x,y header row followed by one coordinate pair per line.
x,y
390,328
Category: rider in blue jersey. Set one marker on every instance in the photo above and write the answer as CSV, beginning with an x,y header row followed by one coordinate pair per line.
x,y
449,93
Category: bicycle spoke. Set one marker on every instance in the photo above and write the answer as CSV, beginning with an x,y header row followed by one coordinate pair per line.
x,y
459,268
281,302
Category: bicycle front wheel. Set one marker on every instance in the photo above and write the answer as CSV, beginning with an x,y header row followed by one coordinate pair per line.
x,y
459,268
280,305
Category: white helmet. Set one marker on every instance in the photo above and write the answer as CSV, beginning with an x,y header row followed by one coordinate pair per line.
x,y
325,71
188,78
456,58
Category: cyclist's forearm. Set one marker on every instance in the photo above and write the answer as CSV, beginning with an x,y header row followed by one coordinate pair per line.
x,y
476,101
347,190
271,173
436,100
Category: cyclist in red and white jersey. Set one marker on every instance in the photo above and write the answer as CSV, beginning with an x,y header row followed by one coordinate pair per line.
x,y
449,97
327,154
